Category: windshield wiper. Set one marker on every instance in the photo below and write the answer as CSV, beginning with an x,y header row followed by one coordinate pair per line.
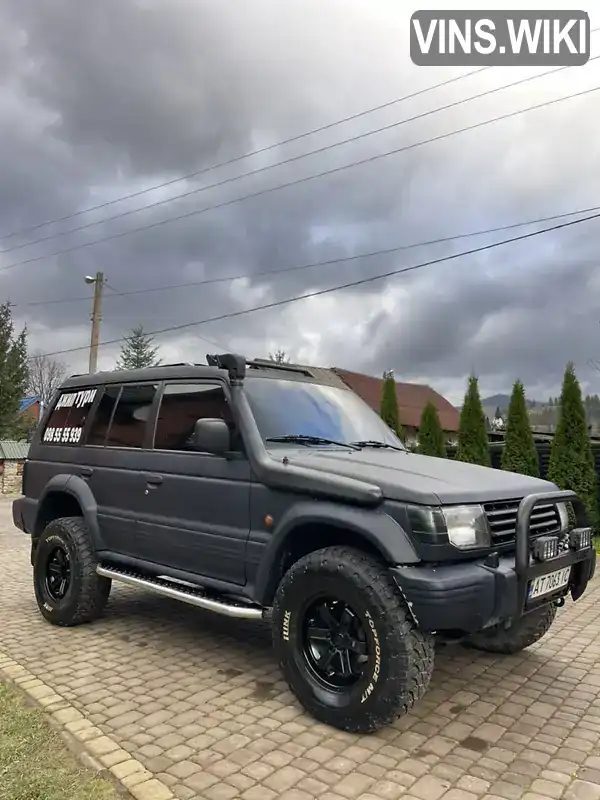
x,y
375,443
304,439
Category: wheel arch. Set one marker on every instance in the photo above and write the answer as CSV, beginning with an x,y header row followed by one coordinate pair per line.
x,y
309,527
66,496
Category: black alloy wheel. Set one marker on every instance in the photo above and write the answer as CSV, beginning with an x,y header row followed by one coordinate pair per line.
x,y
334,642
346,641
68,589
58,573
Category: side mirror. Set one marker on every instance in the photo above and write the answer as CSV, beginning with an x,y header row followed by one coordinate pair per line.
x,y
212,436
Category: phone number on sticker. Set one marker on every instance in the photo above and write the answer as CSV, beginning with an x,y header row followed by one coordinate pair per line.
x,y
63,435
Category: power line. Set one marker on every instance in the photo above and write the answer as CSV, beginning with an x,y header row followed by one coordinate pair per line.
x,y
126,295
328,262
115,292
260,151
290,160
351,284
306,179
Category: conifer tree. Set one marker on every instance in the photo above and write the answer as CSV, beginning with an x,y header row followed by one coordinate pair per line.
x,y
14,375
519,454
571,458
138,351
431,436
473,444
389,404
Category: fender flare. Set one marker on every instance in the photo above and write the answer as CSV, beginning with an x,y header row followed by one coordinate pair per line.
x,y
79,489
375,526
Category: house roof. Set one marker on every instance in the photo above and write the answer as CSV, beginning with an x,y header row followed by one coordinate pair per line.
x,y
412,399
13,451
27,402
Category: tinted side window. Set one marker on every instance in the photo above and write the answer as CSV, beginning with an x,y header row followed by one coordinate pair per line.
x,y
67,419
130,417
122,414
181,406
104,411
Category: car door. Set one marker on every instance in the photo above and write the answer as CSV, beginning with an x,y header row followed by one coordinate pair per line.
x,y
113,450
196,506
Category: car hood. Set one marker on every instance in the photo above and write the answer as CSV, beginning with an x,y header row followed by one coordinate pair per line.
x,y
412,478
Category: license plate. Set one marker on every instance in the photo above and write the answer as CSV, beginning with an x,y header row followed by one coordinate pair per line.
x,y
549,583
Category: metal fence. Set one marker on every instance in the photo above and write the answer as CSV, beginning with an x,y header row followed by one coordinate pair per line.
x,y
543,448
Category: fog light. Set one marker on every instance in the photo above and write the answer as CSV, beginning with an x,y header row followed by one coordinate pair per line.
x,y
545,548
580,538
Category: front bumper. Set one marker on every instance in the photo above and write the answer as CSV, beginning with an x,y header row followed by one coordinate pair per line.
x,y
465,597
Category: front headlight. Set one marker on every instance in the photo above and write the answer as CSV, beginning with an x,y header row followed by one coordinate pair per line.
x,y
467,527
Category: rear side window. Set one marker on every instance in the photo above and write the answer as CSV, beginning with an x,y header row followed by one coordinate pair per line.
x,y
68,417
122,416
103,416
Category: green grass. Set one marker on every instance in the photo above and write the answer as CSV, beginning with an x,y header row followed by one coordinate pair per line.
x,y
35,763
597,544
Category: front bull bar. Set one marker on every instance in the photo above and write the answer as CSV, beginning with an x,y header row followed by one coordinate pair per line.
x,y
582,561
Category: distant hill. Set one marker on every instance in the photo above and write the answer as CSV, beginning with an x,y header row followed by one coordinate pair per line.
x,y
503,401
543,415
496,400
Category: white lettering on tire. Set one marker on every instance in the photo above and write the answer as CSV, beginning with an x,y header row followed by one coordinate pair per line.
x,y
377,668
286,626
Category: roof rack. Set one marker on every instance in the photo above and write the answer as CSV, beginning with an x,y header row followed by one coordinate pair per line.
x,y
234,364
179,364
265,363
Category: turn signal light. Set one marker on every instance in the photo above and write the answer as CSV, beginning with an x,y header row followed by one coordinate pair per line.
x,y
545,548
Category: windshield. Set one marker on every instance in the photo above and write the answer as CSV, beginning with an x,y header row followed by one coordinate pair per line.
x,y
283,408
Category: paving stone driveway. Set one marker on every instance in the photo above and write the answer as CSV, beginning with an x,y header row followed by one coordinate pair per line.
x,y
199,701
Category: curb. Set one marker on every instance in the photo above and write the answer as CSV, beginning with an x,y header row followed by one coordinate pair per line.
x,y
95,750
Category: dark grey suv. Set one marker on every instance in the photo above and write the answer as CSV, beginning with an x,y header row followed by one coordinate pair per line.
x,y
262,491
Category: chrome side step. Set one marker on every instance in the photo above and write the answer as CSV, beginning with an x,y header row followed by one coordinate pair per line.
x,y
192,596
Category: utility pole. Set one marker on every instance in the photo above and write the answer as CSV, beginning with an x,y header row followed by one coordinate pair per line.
x,y
98,282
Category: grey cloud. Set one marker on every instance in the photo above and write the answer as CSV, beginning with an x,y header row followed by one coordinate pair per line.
x,y
120,94
533,328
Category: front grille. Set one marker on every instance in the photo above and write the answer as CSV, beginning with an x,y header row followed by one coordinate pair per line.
x,y
502,519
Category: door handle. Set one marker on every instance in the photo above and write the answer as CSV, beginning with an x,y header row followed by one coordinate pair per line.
x,y
153,480
86,472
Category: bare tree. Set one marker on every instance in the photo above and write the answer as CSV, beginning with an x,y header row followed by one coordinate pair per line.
x,y
45,376
279,357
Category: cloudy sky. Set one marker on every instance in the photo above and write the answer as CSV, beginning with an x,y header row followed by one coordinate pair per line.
x,y
99,100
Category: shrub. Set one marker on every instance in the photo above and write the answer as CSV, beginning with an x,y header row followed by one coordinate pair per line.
x,y
389,404
571,459
473,444
519,454
431,436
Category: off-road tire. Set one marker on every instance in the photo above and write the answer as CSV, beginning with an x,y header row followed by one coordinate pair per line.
x,y
526,631
87,593
400,657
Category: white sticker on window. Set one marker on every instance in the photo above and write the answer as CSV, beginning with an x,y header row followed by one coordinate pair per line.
x,y
76,399
63,435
